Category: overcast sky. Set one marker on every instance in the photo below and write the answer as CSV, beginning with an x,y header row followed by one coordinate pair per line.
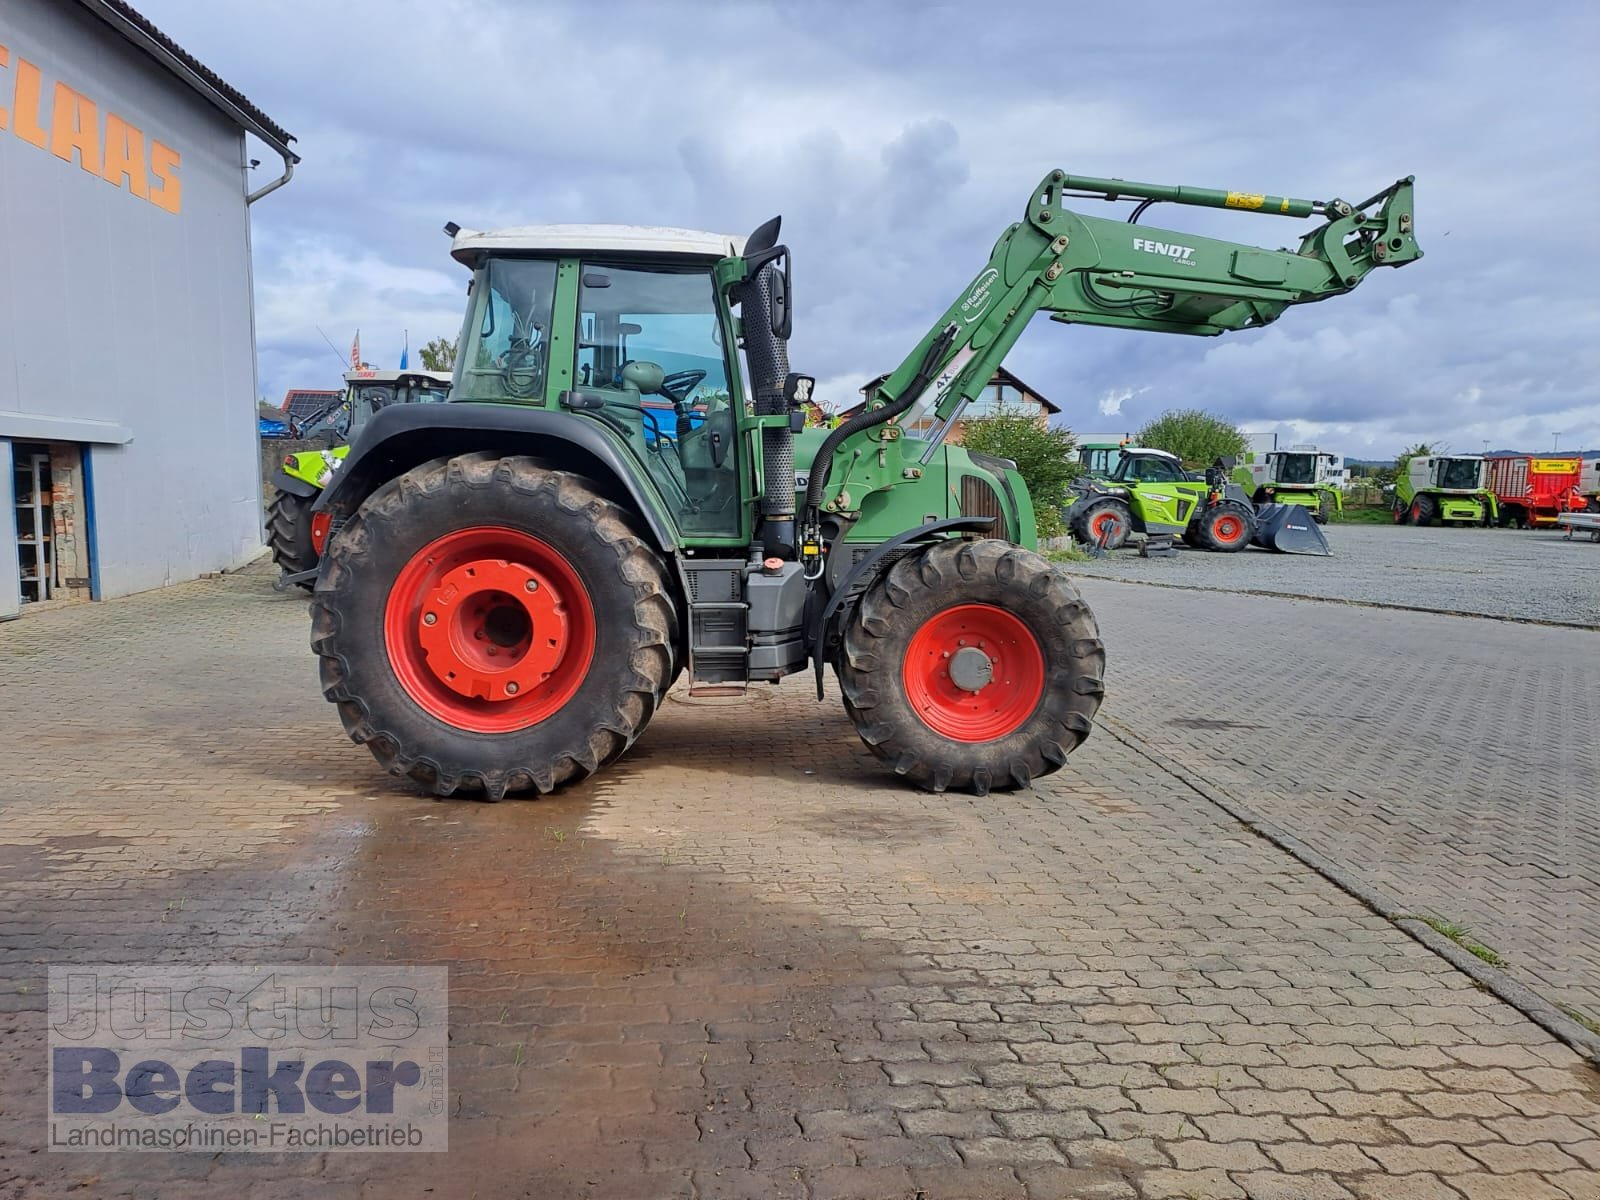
x,y
899,140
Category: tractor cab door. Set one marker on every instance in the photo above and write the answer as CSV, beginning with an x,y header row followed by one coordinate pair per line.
x,y
651,347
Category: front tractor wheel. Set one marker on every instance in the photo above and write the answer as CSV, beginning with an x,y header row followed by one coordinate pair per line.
x,y
289,534
1105,523
491,625
1228,527
971,666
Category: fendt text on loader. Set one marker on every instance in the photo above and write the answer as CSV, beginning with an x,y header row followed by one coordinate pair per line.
x,y
515,578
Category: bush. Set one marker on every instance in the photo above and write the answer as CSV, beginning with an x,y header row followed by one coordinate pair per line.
x,y
1044,458
1195,436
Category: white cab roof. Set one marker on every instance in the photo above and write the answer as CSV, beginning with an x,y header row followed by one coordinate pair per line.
x,y
1149,450
372,375
580,239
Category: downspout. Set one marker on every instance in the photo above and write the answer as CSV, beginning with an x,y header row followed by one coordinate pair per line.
x,y
288,173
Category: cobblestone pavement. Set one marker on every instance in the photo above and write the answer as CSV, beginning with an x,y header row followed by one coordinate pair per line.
x,y
1450,763
1532,574
744,963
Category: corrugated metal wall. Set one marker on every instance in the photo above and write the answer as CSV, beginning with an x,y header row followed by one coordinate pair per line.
x,y
115,309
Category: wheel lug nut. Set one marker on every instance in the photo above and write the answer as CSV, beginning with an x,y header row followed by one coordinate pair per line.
x,y
511,688
532,585
430,618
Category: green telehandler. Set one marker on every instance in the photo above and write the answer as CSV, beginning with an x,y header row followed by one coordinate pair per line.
x,y
295,538
514,579
1149,492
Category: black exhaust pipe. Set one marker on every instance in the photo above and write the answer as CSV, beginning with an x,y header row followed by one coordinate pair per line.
x,y
764,306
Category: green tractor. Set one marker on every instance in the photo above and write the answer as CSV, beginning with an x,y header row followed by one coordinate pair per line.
x,y
1098,454
295,538
513,580
1451,489
1149,492
1301,475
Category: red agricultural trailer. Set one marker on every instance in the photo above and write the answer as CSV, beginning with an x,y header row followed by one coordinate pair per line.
x,y
1533,490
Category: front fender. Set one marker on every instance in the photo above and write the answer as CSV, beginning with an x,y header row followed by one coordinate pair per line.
x,y
404,436
862,574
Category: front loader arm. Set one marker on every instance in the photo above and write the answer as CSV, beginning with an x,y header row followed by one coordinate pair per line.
x,y
1095,271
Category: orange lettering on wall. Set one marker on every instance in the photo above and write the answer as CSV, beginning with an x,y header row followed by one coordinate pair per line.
x,y
125,156
75,125
164,163
5,113
25,119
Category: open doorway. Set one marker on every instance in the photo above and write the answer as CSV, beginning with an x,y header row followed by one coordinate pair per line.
x,y
49,507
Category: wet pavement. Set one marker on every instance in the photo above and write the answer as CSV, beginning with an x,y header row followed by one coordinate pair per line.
x,y
743,961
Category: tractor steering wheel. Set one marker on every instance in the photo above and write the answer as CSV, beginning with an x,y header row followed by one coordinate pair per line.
x,y
677,386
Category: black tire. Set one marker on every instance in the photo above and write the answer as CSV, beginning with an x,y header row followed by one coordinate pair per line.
x,y
1423,509
1226,527
289,533
919,588
631,610
1110,516
1511,518
1325,510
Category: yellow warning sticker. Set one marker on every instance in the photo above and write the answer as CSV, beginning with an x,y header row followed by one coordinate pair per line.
x,y
1245,200
1551,466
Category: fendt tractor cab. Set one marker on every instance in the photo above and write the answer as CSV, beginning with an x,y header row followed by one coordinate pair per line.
x,y
514,579
1301,475
1450,488
295,539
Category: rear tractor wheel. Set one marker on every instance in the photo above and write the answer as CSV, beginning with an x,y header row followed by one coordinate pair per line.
x,y
1325,510
492,625
971,666
1105,523
1228,527
289,533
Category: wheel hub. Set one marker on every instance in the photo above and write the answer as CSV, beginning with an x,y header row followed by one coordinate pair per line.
x,y
974,672
492,629
971,669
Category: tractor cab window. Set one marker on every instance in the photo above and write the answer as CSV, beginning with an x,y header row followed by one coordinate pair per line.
x,y
1297,468
506,355
650,344
1148,469
1458,473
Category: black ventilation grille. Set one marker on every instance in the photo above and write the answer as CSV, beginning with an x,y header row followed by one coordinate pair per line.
x,y
978,499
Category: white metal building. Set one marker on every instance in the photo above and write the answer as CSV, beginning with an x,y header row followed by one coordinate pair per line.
x,y
128,443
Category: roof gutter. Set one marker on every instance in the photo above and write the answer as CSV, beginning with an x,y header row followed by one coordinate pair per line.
x,y
135,33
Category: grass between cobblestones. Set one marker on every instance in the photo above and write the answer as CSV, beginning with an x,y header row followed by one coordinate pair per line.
x,y
1458,934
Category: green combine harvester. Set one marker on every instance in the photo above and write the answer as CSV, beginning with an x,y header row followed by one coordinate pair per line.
x,y
1450,489
294,536
514,579
1302,475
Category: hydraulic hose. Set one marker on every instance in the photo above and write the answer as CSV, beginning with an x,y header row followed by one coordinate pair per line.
x,y
822,465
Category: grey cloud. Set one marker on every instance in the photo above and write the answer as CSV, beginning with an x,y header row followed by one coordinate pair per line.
x,y
899,139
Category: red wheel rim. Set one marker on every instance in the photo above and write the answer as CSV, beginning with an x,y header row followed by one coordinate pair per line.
x,y
489,629
1104,525
1227,529
993,709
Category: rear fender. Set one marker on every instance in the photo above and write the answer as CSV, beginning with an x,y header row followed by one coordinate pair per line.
x,y
407,435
